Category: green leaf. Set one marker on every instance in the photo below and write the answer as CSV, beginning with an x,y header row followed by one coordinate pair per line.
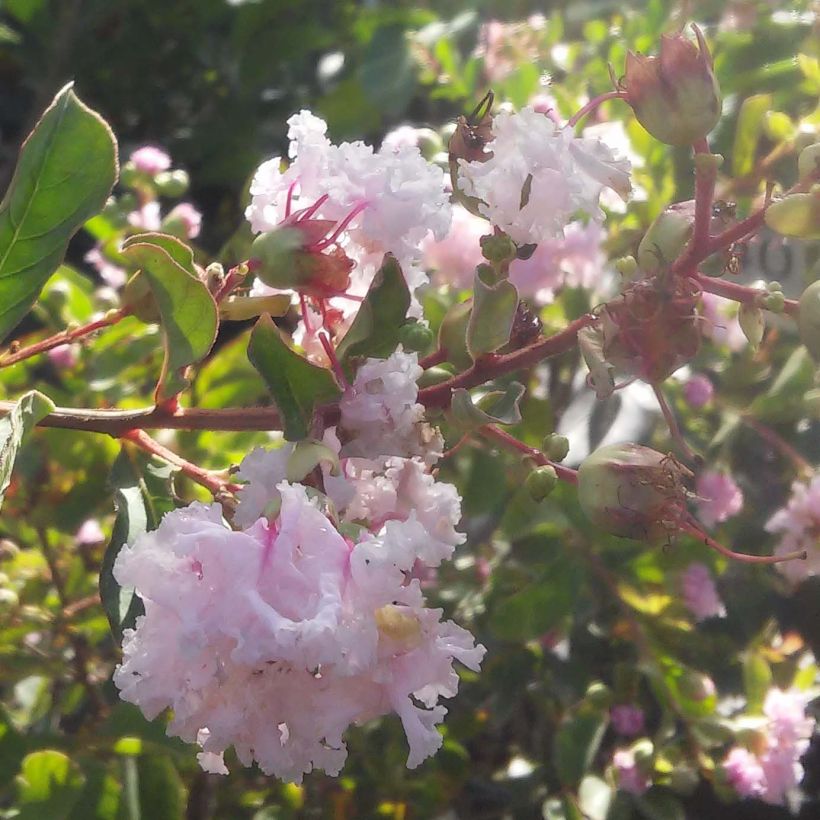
x,y
14,427
296,385
388,72
66,169
137,512
576,743
187,309
48,785
495,407
375,330
749,127
162,794
492,316
757,679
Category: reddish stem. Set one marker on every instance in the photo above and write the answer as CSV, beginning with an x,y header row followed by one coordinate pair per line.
x,y
206,478
234,276
64,337
511,442
742,293
672,424
592,105
436,357
335,364
692,528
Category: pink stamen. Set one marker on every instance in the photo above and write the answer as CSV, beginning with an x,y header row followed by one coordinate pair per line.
x,y
307,213
335,365
303,305
340,228
289,200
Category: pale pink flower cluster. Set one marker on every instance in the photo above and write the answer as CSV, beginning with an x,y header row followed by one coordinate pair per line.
x,y
402,196
150,160
380,414
698,391
700,595
631,778
772,772
276,638
506,46
539,175
719,497
799,526
626,719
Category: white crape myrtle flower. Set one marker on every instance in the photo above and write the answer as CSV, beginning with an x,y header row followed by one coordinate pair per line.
x,y
380,414
276,638
540,175
798,524
402,196
262,469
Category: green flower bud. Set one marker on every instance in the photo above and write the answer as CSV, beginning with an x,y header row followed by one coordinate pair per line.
x,y
675,96
555,447
598,694
809,161
416,337
667,237
752,323
172,183
808,319
541,482
627,266
452,334
633,491
129,175
774,302
796,215
498,248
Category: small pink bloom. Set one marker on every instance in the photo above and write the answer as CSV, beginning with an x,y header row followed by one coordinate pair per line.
x,y
454,258
744,772
189,216
150,160
698,391
627,720
798,524
545,104
90,532
63,357
630,778
700,594
146,218
719,498
113,275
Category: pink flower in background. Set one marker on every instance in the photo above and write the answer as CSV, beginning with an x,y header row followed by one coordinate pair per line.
x,y
454,258
573,260
744,772
700,595
627,720
630,778
773,771
189,216
719,498
113,275
698,391
90,532
150,160
505,46
799,526
146,218
63,356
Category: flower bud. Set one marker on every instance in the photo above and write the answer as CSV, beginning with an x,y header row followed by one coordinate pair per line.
x,y
436,375
285,260
752,323
555,447
675,96
541,482
808,319
498,248
633,491
796,215
172,183
667,237
809,161
416,337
